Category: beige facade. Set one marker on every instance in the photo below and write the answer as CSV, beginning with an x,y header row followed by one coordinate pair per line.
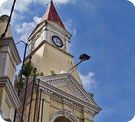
x,y
45,30
9,101
3,24
47,58
9,58
62,100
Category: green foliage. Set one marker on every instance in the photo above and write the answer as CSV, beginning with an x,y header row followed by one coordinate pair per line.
x,y
26,69
21,84
40,74
52,73
25,73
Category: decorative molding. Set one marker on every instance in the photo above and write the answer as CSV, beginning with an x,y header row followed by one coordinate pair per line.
x,y
6,61
68,99
68,80
36,29
4,81
48,24
9,41
69,102
46,84
41,44
65,114
59,28
8,102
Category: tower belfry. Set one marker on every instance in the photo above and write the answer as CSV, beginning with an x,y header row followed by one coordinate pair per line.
x,y
63,97
49,45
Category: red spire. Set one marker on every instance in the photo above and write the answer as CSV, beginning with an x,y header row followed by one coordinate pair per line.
x,y
52,15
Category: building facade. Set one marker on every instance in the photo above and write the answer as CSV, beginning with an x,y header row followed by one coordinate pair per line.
x,y
60,96
9,59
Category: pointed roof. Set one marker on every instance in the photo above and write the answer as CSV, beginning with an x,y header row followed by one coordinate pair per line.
x,y
52,15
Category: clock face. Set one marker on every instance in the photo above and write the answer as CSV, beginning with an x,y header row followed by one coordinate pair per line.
x,y
57,41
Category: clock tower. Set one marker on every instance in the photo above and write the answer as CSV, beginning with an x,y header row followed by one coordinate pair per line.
x,y
49,45
58,96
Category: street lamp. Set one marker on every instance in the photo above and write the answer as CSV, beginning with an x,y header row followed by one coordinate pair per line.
x,y
83,57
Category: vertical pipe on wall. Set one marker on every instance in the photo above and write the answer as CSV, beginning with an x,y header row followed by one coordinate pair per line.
x,y
36,101
39,105
33,82
42,110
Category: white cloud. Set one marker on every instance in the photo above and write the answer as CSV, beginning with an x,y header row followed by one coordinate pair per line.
x,y
37,19
69,26
5,7
22,5
16,18
2,1
25,28
88,81
63,1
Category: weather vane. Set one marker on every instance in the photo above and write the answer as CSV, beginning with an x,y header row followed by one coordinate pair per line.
x,y
51,1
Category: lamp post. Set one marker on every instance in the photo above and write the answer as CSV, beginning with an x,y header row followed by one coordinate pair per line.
x,y
26,45
83,57
22,68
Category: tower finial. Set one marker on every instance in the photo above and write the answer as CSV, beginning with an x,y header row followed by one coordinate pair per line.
x,y
51,1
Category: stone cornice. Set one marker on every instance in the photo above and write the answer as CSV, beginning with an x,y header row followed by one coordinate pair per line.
x,y
68,99
81,89
48,85
10,41
47,23
65,113
41,44
69,78
5,82
58,27
36,29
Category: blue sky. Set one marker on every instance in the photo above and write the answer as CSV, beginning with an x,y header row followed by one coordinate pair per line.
x,y
105,30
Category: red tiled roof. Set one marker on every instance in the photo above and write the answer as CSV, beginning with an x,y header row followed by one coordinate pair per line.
x,y
52,15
